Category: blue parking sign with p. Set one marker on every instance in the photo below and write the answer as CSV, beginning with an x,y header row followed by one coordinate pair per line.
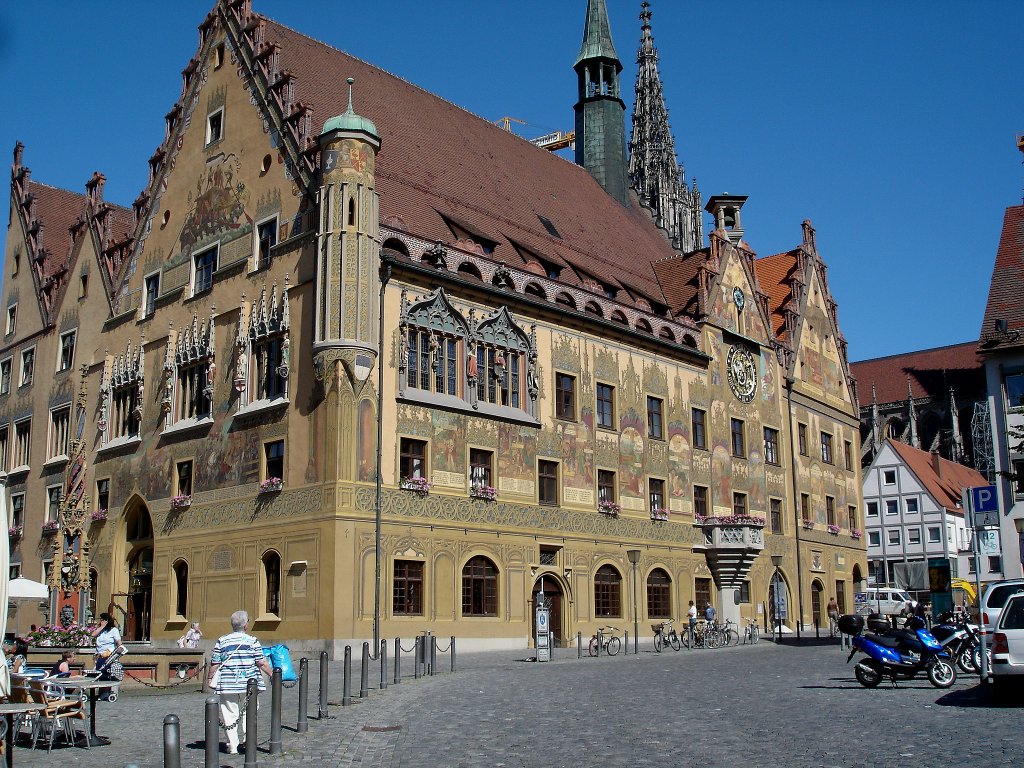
x,y
985,506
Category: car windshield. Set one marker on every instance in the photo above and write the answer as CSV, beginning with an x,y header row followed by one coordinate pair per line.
x,y
1013,616
999,595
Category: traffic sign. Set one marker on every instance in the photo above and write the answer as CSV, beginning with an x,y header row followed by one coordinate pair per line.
x,y
985,506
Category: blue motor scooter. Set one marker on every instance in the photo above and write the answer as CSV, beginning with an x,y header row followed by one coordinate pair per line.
x,y
898,654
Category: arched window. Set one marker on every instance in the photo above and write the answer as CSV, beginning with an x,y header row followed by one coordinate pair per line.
x,y
352,211
272,582
479,588
180,588
502,350
643,325
433,334
533,289
666,333
468,269
619,317
396,245
565,300
659,595
607,592
94,588
592,308
689,341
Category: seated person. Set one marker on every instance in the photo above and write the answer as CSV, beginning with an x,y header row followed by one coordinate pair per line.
x,y
20,659
63,667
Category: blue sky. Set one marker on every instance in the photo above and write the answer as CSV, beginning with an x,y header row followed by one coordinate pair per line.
x,y
890,125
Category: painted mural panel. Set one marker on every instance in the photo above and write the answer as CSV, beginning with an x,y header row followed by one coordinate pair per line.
x,y
576,447
448,449
517,459
632,461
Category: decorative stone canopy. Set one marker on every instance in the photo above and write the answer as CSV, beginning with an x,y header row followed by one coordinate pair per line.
x,y
731,544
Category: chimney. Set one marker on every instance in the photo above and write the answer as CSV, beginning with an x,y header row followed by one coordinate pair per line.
x,y
937,463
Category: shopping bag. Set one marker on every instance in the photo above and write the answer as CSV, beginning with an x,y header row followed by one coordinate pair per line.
x,y
279,659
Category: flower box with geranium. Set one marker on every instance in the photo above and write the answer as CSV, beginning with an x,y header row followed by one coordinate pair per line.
x,y
808,525
418,485
856,533
71,636
181,501
833,529
485,492
50,527
15,531
659,514
748,520
609,507
99,516
271,485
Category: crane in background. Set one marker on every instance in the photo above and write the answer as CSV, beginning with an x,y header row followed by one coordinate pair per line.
x,y
552,142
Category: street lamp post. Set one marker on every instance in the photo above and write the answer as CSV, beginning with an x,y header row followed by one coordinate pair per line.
x,y
777,561
634,558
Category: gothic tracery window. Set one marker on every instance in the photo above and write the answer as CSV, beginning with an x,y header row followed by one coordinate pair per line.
x,y
263,345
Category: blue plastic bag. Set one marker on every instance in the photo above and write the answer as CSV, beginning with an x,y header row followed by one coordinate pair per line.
x,y
280,659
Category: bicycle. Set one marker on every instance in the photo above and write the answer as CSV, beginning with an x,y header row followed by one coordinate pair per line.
x,y
833,626
706,635
605,640
665,634
751,632
730,633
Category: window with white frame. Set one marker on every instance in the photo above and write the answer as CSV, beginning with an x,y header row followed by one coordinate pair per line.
x,y
872,507
12,319
874,540
934,534
53,503
60,432
188,374
5,447
911,505
204,264
889,477
5,376
893,536
22,443
892,507
151,291
913,535
17,510
215,126
121,391
1014,383
28,366
67,351
266,238
193,391
263,344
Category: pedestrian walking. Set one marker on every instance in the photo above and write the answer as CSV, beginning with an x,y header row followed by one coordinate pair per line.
x,y
237,658
691,615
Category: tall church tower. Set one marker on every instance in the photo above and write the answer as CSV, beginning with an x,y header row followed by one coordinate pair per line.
x,y
655,174
600,111
348,248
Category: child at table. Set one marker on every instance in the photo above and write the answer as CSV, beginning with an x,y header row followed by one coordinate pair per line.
x,y
63,667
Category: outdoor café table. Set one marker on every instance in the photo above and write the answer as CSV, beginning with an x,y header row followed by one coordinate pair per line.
x,y
9,710
93,686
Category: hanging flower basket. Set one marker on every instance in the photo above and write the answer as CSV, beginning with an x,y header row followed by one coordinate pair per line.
x,y
418,485
808,525
833,529
182,501
271,485
856,533
659,514
610,508
15,531
99,516
50,527
485,492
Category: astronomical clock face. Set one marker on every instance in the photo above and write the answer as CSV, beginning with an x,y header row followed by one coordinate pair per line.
x,y
742,374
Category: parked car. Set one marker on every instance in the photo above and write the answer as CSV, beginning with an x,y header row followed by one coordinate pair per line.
x,y
887,601
994,598
1008,649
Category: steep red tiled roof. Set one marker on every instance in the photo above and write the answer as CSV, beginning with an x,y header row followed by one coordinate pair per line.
x,y
931,371
678,278
56,209
943,483
438,160
1007,286
774,274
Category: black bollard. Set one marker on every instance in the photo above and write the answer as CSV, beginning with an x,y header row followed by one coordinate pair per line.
x,y
321,711
433,654
417,644
276,692
212,733
346,688
453,653
252,708
579,645
398,660
172,742
625,645
600,640
302,724
364,673
383,664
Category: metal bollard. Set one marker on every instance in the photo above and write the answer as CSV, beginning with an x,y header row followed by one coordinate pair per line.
x,y
172,742
276,691
321,708
453,653
579,645
398,660
302,724
416,656
600,642
383,664
252,708
212,747
364,673
346,688
625,645
433,654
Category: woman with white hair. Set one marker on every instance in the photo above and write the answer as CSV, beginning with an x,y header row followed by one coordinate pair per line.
x,y
237,658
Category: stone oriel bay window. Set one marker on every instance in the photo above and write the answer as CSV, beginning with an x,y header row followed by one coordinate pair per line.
x,y
121,397
262,351
189,370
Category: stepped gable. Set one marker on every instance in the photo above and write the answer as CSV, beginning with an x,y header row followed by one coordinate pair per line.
x,y
776,275
56,210
931,372
438,160
1007,287
944,480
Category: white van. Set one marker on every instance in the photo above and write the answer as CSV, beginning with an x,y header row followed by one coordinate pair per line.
x,y
887,601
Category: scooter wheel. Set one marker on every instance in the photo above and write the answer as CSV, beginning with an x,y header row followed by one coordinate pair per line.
x,y
941,673
868,672
965,662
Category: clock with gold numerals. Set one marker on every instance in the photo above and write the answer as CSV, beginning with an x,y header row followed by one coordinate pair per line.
x,y
742,374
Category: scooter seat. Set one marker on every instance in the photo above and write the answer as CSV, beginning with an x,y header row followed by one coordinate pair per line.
x,y
907,639
883,640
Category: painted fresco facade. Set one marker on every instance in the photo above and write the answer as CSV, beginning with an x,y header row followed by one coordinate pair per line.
x,y
232,380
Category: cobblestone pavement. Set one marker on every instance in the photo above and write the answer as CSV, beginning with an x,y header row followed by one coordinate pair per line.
x,y
763,705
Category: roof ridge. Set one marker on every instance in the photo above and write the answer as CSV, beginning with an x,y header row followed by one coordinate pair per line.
x,y
971,343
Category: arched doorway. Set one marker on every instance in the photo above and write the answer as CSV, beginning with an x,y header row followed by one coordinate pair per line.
x,y
554,595
817,602
138,548
858,579
778,600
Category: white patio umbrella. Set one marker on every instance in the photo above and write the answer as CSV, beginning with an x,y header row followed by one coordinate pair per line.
x,y
5,577
22,592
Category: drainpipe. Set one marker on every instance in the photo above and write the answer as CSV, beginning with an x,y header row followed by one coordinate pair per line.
x,y
796,507
385,275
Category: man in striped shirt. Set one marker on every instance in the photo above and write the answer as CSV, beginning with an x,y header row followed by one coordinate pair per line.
x,y
239,657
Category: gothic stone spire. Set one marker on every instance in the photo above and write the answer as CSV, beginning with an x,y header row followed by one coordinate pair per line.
x,y
654,171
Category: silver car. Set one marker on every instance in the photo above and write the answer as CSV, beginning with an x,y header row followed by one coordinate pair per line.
x,y
1008,650
993,600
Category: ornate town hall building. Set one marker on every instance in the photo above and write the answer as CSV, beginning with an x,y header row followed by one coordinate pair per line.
x,y
575,388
